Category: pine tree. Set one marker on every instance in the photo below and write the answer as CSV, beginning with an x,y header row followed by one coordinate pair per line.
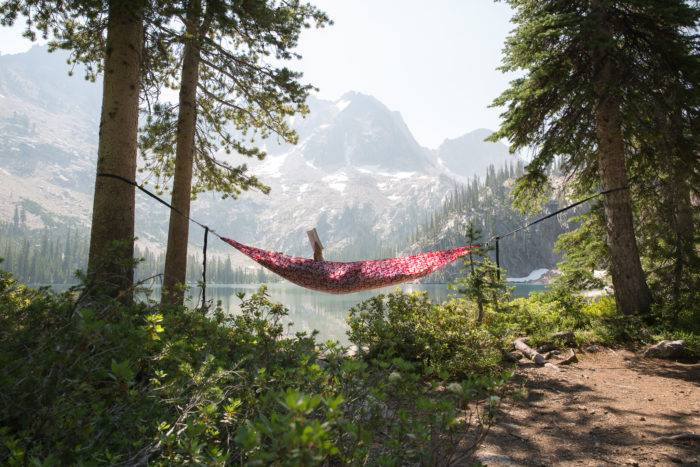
x,y
482,282
107,36
588,66
225,80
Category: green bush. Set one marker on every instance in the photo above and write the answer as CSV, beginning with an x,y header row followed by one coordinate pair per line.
x,y
443,340
101,383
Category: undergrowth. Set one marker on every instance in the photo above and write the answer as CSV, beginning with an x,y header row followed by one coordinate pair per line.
x,y
102,383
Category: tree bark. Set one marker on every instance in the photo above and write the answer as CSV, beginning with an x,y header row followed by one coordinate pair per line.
x,y
178,230
631,291
528,351
110,260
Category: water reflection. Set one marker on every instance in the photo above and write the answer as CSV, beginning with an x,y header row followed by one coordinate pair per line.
x,y
309,310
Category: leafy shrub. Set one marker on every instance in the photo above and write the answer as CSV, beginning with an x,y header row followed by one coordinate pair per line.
x,y
102,383
443,340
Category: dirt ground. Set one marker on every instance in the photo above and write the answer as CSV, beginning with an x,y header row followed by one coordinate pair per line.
x,y
610,408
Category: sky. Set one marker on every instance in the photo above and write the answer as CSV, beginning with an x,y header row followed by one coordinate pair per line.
x,y
434,62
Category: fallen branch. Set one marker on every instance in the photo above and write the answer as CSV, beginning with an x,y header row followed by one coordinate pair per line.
x,y
528,351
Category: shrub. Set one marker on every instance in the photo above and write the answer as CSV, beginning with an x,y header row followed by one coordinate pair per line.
x,y
103,383
442,340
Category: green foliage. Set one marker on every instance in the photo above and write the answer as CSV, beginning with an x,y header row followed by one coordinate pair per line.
x,y
551,107
571,56
441,339
584,250
103,383
532,191
245,92
482,281
80,27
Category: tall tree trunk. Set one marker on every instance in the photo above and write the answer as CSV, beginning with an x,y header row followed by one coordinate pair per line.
x,y
178,230
110,261
631,291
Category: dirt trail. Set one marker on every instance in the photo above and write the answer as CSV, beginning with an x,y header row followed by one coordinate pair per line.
x,y
611,408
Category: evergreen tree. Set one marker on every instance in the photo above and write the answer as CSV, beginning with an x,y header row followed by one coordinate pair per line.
x,y
228,88
107,36
481,282
589,72
15,219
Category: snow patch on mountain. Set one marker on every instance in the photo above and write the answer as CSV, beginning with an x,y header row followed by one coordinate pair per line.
x,y
358,175
533,276
337,181
342,104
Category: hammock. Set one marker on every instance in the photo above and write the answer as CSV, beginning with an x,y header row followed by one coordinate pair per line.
x,y
338,277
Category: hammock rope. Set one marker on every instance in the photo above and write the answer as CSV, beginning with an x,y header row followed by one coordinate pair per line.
x,y
345,277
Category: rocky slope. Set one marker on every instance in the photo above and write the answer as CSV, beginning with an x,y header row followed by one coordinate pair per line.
x,y
357,174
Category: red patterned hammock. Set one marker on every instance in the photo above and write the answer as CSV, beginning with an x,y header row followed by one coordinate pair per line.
x,y
337,277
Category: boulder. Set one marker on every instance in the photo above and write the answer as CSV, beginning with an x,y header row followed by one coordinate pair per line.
x,y
666,349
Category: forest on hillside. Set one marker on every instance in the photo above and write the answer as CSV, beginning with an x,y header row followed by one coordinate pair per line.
x,y
487,204
57,255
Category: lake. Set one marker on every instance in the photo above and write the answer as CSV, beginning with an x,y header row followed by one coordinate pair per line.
x,y
310,310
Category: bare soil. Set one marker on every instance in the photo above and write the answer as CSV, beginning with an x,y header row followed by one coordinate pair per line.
x,y
610,408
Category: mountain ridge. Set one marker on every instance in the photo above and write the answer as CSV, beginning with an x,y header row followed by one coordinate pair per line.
x,y
357,174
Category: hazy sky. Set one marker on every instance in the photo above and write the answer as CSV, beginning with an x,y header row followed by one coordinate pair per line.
x,y
435,62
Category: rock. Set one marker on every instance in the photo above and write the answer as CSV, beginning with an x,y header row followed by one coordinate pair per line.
x,y
633,462
514,356
488,458
544,348
570,359
593,348
550,354
565,337
666,349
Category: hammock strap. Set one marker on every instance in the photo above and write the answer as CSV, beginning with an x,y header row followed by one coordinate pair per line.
x,y
173,208
157,198
498,260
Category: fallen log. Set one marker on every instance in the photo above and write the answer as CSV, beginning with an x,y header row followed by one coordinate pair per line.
x,y
528,351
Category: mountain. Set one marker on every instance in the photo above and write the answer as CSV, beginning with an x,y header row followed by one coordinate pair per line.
x,y
357,174
470,154
48,125
486,203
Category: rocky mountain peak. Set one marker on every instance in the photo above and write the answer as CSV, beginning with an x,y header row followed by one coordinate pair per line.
x,y
470,154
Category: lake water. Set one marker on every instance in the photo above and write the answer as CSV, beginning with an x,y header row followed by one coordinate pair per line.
x,y
310,310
